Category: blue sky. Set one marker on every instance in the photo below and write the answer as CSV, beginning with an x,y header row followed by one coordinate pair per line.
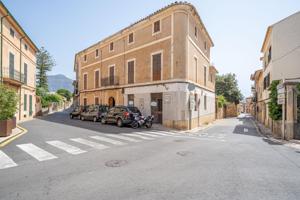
x,y
237,27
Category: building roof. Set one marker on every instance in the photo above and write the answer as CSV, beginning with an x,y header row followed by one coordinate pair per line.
x,y
149,16
256,74
270,28
21,30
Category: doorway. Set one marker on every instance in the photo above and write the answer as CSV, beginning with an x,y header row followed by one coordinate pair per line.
x,y
156,107
111,102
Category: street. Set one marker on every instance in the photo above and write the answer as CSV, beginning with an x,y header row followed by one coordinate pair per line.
x,y
60,158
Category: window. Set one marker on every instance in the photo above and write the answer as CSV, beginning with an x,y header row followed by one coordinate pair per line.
x,y
156,67
25,73
97,79
130,72
196,32
97,53
204,75
85,76
205,102
85,101
205,45
195,69
111,46
96,100
25,102
156,27
130,99
84,58
112,75
267,81
269,55
12,32
130,38
25,47
11,66
211,78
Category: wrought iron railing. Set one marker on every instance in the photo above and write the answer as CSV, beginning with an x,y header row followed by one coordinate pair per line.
x,y
110,81
13,74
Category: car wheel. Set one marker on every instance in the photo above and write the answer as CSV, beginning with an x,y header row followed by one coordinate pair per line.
x,y
103,120
119,122
95,119
82,118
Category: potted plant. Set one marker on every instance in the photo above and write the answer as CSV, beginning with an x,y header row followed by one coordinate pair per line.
x,y
8,108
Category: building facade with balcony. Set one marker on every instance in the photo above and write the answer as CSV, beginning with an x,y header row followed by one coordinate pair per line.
x,y
280,61
160,64
17,63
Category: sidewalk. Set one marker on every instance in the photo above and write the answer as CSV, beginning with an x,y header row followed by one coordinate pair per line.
x,y
193,131
17,132
266,132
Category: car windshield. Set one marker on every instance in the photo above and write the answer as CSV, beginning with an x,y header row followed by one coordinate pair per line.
x,y
134,109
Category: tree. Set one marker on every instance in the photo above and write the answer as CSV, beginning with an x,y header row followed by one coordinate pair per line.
x,y
275,110
9,101
221,101
65,93
44,62
227,86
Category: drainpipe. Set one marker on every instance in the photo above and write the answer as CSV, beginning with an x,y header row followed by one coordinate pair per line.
x,y
20,94
1,54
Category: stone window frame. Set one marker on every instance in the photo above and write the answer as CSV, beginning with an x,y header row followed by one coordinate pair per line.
x,y
133,40
153,27
134,70
87,76
111,47
99,81
162,63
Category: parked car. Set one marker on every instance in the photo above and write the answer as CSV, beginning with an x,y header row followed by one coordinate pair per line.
x,y
76,112
94,113
121,115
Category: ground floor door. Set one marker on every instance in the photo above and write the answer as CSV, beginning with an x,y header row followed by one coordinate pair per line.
x,y
111,102
156,107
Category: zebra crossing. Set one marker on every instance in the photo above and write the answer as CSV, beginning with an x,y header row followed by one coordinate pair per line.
x,y
98,142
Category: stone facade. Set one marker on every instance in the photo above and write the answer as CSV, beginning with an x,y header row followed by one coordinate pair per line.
x,y
171,68
18,63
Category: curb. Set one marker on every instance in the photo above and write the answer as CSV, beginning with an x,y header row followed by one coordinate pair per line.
x,y
9,140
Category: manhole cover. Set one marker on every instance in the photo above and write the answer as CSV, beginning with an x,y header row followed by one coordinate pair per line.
x,y
115,163
183,153
179,140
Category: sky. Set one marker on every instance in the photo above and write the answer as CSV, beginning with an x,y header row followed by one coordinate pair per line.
x,y
237,27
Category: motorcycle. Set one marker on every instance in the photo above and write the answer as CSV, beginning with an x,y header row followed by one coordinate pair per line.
x,y
142,121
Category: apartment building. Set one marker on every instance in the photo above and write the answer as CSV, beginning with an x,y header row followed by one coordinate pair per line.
x,y
17,63
160,64
280,60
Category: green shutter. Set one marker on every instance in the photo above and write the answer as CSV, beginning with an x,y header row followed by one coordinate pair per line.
x,y
25,102
30,105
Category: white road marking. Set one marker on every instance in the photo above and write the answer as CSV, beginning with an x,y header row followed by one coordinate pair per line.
x,y
118,136
108,140
147,134
36,152
158,133
167,132
5,161
66,147
246,130
138,136
90,143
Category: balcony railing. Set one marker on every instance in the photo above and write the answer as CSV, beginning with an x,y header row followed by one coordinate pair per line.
x,y
110,81
13,75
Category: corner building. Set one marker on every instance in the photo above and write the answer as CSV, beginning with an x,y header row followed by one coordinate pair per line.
x,y
160,64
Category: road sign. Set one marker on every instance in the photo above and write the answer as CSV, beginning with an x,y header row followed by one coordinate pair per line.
x,y
280,89
281,96
280,101
192,102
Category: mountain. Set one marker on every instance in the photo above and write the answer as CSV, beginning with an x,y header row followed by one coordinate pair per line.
x,y
59,81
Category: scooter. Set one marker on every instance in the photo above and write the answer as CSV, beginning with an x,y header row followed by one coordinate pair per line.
x,y
141,121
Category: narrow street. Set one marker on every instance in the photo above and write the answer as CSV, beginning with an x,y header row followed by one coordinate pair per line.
x,y
70,159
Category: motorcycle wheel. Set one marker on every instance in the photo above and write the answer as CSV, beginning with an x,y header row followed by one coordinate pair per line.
x,y
134,125
148,125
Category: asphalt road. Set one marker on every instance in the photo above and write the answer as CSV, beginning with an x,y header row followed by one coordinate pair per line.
x,y
60,158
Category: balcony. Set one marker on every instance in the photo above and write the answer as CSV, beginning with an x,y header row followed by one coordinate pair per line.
x,y
13,76
110,81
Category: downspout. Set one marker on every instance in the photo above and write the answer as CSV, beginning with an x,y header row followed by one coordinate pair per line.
x,y
20,94
1,47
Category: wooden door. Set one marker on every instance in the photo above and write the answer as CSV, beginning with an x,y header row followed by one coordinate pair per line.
x,y
157,107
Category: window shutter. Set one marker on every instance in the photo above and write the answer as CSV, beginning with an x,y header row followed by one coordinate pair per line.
x,y
156,68
131,72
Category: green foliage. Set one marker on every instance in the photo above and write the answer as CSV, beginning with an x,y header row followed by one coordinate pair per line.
x,y
44,63
53,98
275,110
47,98
65,93
221,101
8,102
227,86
